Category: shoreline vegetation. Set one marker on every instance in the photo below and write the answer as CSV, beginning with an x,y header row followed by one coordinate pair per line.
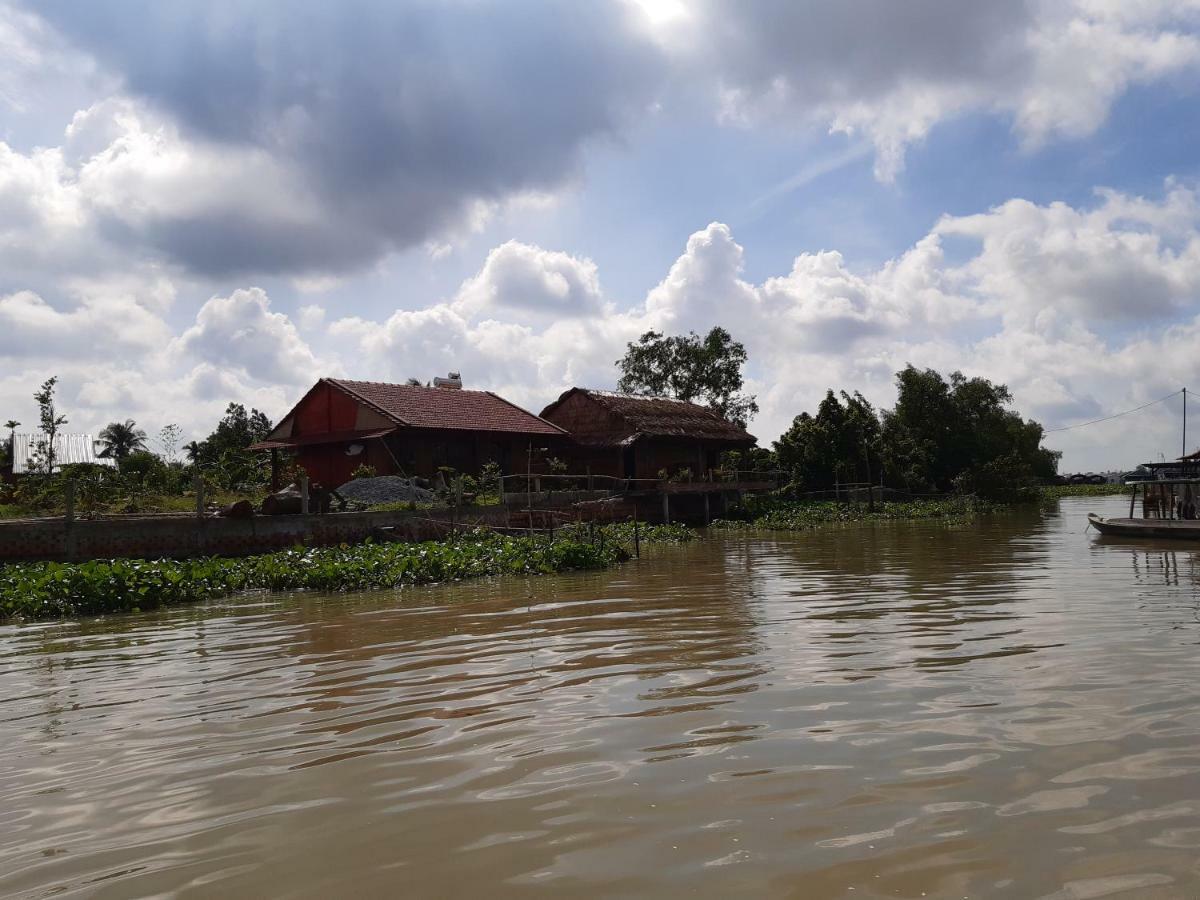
x,y
1054,491
778,514
49,590
801,515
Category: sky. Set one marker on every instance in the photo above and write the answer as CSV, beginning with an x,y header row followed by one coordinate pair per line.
x,y
224,201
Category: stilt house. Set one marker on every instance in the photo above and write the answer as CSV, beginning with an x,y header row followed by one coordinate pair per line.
x,y
632,436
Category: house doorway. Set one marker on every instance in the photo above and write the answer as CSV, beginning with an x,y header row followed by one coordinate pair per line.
x,y
629,460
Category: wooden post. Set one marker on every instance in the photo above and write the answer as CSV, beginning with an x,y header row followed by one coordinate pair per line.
x,y
1132,498
274,468
500,482
198,487
707,517
303,493
69,520
666,508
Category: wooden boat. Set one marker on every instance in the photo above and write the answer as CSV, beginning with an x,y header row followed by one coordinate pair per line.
x,y
1147,528
1169,510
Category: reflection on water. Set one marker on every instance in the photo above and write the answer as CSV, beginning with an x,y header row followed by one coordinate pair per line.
x,y
1006,709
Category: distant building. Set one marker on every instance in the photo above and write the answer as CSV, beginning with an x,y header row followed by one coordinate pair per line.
x,y
633,436
68,449
408,429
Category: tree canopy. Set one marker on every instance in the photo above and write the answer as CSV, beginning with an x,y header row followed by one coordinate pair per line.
x,y
839,444
224,451
705,370
956,434
121,438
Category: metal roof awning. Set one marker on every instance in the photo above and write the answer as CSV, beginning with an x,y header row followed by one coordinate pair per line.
x,y
327,437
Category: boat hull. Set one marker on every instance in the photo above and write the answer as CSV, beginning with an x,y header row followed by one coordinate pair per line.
x,y
1176,529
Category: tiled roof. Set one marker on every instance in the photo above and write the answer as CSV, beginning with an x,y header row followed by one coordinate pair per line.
x,y
422,407
662,417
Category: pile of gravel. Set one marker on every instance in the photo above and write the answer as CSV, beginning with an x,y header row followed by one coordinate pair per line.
x,y
385,489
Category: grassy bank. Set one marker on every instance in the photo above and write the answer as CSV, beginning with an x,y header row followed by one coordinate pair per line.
x,y
1054,491
799,515
52,590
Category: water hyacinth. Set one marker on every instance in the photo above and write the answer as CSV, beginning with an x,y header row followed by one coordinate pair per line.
x,y
798,515
50,589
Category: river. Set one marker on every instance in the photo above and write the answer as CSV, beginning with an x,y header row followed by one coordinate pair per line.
x,y
1005,709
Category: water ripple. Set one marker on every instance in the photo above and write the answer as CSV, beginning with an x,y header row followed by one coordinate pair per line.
x,y
1006,709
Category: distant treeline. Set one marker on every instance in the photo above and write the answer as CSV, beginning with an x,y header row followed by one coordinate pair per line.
x,y
943,435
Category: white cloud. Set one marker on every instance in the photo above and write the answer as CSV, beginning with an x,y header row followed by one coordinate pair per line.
x,y
521,278
32,328
241,332
892,72
1027,306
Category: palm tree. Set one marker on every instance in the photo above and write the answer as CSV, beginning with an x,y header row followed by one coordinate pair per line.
x,y
192,449
121,438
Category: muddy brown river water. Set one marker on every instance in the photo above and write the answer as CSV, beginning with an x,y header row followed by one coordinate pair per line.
x,y
1005,709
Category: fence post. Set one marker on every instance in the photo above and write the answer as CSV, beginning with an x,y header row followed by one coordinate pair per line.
x,y
500,481
666,507
303,493
198,487
69,520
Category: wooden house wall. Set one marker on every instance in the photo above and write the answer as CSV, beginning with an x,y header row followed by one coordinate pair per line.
x,y
422,452
325,409
587,421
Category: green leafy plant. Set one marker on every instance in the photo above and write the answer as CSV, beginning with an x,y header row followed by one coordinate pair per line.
x,y
48,590
363,471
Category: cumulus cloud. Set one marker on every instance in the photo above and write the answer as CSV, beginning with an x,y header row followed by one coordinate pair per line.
x,y
32,328
241,332
1026,306
233,139
1124,259
1011,309
892,71
521,278
399,122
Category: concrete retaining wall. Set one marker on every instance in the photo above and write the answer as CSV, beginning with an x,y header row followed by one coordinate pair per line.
x,y
187,535
182,536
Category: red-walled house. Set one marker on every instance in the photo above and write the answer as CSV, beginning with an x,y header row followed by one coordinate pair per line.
x,y
633,436
410,430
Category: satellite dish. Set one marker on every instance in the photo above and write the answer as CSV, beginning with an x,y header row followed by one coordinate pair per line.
x,y
354,449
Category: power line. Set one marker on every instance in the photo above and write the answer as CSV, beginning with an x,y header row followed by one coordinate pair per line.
x,y
1114,415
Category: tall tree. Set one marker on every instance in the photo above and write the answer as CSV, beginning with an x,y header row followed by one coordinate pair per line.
x,y
839,443
51,422
121,438
962,434
688,367
224,451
